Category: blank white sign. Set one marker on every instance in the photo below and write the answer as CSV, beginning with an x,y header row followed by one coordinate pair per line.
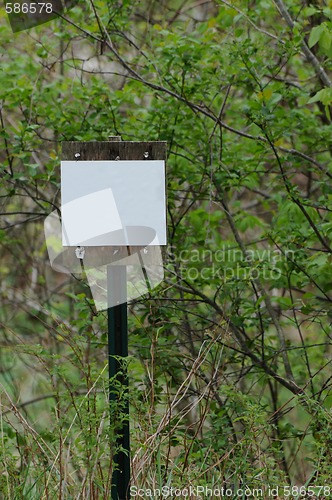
x,y
113,203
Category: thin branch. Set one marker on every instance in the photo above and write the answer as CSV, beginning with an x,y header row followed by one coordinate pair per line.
x,y
258,362
311,58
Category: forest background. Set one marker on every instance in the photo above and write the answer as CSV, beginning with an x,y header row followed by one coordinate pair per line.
x,y
230,357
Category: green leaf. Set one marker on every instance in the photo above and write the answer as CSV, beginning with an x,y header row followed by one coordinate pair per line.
x,y
323,95
310,11
316,34
325,40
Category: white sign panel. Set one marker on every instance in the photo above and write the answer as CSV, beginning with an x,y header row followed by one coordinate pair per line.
x,y
113,203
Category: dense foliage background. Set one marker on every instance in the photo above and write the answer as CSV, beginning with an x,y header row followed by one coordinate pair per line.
x,y
230,358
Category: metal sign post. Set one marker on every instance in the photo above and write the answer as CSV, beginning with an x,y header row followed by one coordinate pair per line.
x,y
117,350
99,246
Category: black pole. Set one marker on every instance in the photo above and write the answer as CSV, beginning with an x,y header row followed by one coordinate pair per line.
x,y
118,387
